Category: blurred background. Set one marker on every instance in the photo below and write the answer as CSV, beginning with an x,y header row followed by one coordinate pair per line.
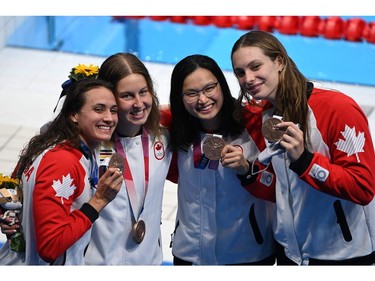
x,y
336,49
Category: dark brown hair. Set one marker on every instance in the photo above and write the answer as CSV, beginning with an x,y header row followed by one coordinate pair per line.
x,y
62,129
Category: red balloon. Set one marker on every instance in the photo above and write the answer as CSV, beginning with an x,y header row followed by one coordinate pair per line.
x,y
288,24
244,22
369,32
159,18
310,26
333,28
202,20
222,21
178,19
266,23
354,29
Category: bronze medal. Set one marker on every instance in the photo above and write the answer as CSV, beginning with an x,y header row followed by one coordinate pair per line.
x,y
117,161
270,131
139,231
212,147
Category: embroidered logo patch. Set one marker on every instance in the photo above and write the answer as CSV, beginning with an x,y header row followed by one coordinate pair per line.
x,y
353,144
65,188
266,178
319,173
159,151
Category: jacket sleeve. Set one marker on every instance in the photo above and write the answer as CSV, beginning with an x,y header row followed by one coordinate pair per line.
x,y
346,170
173,169
165,116
56,188
260,181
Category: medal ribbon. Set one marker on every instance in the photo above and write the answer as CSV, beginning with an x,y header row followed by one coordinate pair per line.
x,y
94,169
128,177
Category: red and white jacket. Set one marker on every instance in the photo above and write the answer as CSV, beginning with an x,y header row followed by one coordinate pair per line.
x,y
218,221
325,205
55,187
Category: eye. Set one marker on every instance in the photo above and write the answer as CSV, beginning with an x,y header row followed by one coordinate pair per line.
x,y
210,87
98,109
239,73
143,92
255,66
126,96
190,94
114,110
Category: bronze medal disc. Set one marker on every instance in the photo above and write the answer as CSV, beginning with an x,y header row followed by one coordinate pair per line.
x,y
270,132
139,231
117,161
212,147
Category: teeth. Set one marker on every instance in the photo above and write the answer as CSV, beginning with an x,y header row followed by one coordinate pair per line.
x,y
104,127
205,108
137,112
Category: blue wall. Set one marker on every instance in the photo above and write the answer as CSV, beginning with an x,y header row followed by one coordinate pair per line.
x,y
166,42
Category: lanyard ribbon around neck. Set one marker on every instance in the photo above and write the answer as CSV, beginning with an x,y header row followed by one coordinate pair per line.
x,y
94,169
128,177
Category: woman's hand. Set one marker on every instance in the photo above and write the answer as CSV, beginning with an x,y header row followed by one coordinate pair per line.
x,y
232,157
108,187
292,140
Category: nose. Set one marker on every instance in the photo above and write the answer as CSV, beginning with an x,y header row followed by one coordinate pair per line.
x,y
249,77
137,101
108,116
201,96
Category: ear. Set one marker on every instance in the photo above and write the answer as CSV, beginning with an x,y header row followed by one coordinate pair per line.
x,y
74,117
280,63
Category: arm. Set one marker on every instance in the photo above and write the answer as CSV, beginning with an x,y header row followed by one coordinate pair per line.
x,y
173,169
346,168
56,226
165,115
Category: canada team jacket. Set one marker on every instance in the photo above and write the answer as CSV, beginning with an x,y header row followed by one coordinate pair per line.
x,y
54,187
111,242
325,205
218,221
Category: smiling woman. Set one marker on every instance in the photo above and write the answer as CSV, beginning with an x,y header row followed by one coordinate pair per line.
x,y
61,193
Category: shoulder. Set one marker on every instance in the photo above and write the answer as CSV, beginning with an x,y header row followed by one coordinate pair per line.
x,y
330,97
163,139
330,101
165,116
60,153
61,158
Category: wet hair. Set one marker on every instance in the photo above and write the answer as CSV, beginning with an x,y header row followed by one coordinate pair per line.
x,y
120,65
185,128
62,129
292,91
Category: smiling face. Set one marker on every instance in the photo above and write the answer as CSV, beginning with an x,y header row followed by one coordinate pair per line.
x,y
257,74
135,102
206,109
97,118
